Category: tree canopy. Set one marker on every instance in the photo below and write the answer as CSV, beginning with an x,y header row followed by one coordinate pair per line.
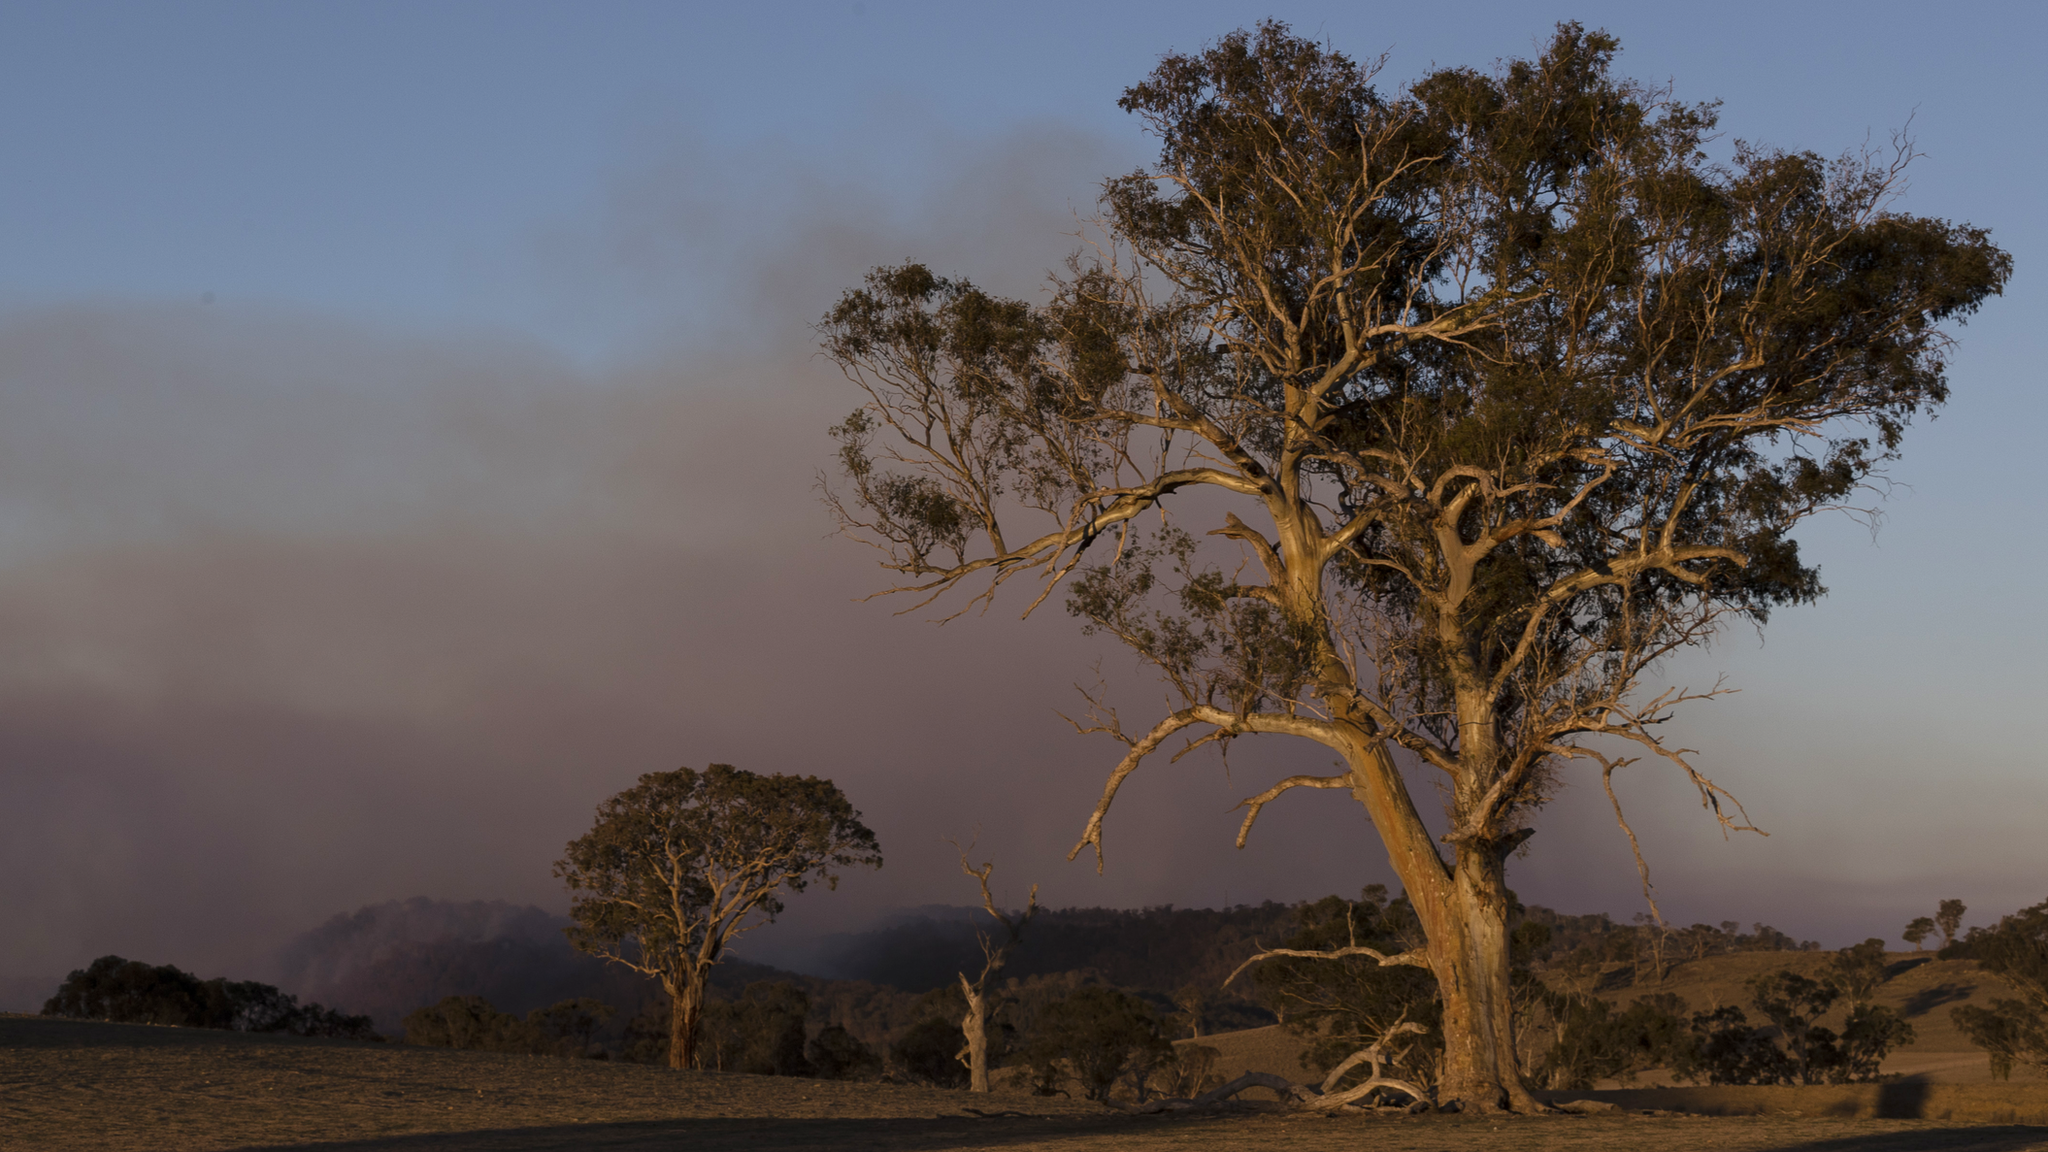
x,y
679,864
1501,389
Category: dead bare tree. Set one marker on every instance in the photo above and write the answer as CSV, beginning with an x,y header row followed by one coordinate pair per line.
x,y
995,953
1500,390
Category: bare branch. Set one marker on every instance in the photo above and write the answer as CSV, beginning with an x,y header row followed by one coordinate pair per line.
x,y
1413,958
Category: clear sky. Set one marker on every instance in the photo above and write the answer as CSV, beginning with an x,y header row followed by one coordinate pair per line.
x,y
408,423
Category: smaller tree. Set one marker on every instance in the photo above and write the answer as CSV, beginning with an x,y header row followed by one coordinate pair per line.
x,y
995,953
1794,1002
2011,1031
1595,1042
1918,931
1726,1050
467,1022
1102,1035
683,862
1949,918
1858,969
929,1052
760,1033
1192,1001
836,1054
570,1027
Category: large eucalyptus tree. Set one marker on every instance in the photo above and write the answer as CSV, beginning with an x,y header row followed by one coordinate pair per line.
x,y
1500,389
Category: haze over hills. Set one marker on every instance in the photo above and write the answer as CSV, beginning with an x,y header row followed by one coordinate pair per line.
x,y
385,960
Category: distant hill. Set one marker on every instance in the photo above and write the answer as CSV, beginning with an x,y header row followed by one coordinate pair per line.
x,y
385,960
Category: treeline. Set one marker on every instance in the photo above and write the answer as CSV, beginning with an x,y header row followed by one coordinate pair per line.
x,y
1595,948
1139,980
131,992
1066,1033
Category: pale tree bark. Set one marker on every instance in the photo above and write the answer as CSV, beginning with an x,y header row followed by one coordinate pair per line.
x,y
995,954
1490,439
686,1017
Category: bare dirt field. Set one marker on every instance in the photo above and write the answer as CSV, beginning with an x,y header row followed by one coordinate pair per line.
x,y
124,1088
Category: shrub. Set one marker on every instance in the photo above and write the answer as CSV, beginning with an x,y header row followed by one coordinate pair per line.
x,y
567,1028
836,1054
1102,1035
131,992
761,1033
929,1052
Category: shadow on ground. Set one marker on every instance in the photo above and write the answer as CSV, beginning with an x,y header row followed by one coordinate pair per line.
x,y
2001,1138
1117,1133
732,1136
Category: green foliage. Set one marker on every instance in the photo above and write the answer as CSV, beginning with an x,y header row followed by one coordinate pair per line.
x,y
2010,1032
1949,918
1502,391
1917,931
1347,1004
1595,1042
1098,1035
570,1027
2015,949
1858,969
679,862
131,992
1793,1048
683,861
467,1022
761,1032
1793,1002
1729,1051
567,1028
836,1054
929,1053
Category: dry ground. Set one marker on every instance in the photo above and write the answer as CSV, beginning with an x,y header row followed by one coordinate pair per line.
x,y
124,1088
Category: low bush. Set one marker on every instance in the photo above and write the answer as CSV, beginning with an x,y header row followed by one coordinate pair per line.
x,y
131,992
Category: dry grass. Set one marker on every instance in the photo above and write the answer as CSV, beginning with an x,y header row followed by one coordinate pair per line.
x,y
124,1088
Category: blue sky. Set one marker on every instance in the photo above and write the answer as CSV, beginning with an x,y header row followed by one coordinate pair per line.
x,y
407,419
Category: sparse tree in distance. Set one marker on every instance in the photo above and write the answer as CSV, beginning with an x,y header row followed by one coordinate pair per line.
x,y
1501,390
1193,1002
682,862
995,953
2011,1031
1858,969
1949,918
1918,931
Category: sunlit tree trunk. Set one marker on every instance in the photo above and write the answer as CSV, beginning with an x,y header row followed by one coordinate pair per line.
x,y
1463,907
686,1018
975,1028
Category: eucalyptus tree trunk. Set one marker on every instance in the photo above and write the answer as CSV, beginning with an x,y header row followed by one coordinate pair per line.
x,y
1463,907
686,1017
